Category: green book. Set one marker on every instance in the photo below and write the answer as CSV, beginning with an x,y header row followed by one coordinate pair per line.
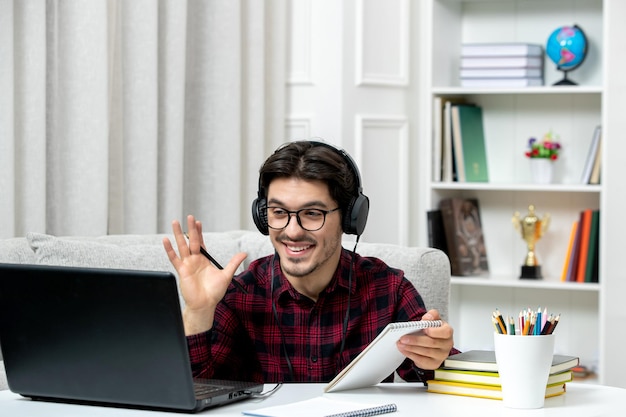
x,y
469,136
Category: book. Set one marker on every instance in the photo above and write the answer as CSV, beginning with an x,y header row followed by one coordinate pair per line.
x,y
442,137
583,248
502,62
436,232
501,72
592,250
437,166
482,391
464,235
595,271
485,360
457,144
469,143
379,359
501,49
595,171
323,407
591,155
501,82
490,378
448,158
570,248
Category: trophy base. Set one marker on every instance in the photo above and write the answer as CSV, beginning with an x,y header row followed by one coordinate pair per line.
x,y
531,272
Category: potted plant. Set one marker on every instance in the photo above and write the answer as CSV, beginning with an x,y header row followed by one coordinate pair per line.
x,y
542,154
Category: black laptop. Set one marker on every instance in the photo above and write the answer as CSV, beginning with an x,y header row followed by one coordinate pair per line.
x,y
102,336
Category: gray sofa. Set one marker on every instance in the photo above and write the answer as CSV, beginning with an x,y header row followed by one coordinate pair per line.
x,y
428,269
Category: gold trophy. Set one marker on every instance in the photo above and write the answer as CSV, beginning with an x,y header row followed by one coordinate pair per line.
x,y
532,229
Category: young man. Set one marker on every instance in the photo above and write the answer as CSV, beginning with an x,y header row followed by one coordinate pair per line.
x,y
305,312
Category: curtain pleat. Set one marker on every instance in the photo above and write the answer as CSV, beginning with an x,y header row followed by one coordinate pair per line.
x,y
8,203
30,113
77,169
140,117
123,115
213,113
172,79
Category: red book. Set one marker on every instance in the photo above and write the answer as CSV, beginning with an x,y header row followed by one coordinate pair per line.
x,y
585,231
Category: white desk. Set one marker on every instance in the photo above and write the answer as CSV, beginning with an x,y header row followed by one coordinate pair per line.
x,y
411,399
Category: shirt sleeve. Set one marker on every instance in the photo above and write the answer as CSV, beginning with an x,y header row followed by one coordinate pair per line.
x,y
200,354
224,351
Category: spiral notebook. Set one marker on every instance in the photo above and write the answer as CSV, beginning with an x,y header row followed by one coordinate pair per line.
x,y
379,359
323,407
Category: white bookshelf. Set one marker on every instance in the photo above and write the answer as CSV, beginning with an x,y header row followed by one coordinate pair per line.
x,y
511,116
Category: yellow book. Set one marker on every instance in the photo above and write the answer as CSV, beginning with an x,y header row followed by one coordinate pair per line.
x,y
489,378
492,392
570,245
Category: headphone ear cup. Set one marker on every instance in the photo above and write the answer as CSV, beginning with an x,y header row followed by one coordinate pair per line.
x,y
259,215
355,217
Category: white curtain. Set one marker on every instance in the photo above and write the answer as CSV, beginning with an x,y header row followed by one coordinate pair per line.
x,y
118,116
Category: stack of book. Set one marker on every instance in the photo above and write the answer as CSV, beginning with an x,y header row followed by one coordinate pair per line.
x,y
501,65
475,374
581,261
459,143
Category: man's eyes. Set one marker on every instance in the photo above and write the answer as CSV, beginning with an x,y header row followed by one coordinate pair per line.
x,y
311,213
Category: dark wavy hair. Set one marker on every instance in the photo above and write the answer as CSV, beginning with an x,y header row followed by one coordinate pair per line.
x,y
311,160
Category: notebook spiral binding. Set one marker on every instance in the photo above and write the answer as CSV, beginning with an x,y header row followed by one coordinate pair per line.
x,y
366,412
417,324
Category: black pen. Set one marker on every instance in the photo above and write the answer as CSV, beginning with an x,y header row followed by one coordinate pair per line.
x,y
217,265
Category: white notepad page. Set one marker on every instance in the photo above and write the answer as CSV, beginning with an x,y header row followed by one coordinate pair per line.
x,y
379,359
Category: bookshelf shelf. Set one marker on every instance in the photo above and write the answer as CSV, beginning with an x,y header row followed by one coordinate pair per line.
x,y
551,188
561,90
508,282
510,117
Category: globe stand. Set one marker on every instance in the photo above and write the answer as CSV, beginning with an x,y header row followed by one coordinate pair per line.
x,y
565,80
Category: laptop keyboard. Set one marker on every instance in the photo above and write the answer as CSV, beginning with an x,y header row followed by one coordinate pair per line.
x,y
205,390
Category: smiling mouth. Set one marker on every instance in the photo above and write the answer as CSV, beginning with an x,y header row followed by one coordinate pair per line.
x,y
298,248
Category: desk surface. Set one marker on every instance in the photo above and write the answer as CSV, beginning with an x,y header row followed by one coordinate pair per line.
x,y
411,399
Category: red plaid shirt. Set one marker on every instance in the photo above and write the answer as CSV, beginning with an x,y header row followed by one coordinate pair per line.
x,y
245,342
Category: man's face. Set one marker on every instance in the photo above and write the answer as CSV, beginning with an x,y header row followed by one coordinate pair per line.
x,y
305,254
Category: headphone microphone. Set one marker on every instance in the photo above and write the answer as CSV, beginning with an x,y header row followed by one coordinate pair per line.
x,y
354,216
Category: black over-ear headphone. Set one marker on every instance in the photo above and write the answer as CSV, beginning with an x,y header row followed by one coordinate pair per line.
x,y
354,216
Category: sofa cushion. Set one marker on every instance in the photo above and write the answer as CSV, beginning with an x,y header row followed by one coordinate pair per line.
x,y
255,245
138,252
16,251
51,250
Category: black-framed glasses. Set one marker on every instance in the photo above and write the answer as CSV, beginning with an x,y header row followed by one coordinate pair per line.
x,y
309,219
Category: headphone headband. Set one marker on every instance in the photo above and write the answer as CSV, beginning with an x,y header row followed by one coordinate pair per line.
x,y
354,216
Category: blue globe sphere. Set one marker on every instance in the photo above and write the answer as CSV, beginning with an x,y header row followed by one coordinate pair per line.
x,y
567,47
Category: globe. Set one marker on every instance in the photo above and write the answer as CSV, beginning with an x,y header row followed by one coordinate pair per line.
x,y
567,48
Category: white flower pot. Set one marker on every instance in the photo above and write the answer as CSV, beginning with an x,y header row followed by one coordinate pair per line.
x,y
541,170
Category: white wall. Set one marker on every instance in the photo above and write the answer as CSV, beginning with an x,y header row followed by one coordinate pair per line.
x,y
350,83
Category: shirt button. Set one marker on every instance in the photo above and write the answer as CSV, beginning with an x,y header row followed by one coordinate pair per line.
x,y
313,359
